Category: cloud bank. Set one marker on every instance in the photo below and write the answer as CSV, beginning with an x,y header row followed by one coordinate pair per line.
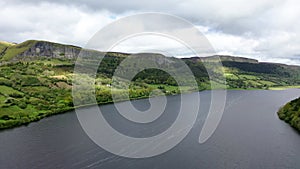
x,y
268,30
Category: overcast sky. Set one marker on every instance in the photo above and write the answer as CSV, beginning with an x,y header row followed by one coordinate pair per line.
x,y
268,30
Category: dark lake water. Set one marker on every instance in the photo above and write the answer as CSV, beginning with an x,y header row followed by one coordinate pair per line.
x,y
249,136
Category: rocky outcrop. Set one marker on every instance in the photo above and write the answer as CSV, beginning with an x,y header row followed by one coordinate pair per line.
x,y
53,50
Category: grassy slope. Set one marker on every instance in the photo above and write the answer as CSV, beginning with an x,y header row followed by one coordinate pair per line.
x,y
4,46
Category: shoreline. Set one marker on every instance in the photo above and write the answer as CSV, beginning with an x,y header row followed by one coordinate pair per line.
x,y
68,109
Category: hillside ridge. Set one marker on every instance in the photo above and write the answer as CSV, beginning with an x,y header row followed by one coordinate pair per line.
x,y
34,49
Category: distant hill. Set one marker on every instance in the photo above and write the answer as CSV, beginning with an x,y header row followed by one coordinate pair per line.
x,y
240,72
225,58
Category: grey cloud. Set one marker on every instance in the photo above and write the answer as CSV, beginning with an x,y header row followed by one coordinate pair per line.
x,y
273,26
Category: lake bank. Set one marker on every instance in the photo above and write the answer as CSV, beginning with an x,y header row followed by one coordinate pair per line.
x,y
40,116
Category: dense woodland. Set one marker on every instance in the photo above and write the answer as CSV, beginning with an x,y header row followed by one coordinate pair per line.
x,y
290,113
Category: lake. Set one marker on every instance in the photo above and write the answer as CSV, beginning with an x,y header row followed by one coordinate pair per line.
x,y
249,136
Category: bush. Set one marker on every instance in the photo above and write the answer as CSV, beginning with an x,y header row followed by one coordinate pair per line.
x,y
5,82
30,81
22,105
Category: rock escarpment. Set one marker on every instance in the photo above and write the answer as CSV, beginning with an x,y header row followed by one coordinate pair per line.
x,y
32,49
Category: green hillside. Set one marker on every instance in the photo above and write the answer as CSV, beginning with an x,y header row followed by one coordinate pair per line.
x,y
36,78
4,46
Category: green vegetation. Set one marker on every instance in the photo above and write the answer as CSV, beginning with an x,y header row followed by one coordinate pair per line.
x,y
33,90
14,50
35,87
4,46
290,113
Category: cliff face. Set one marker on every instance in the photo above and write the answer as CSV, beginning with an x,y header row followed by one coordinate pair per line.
x,y
32,49
52,50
